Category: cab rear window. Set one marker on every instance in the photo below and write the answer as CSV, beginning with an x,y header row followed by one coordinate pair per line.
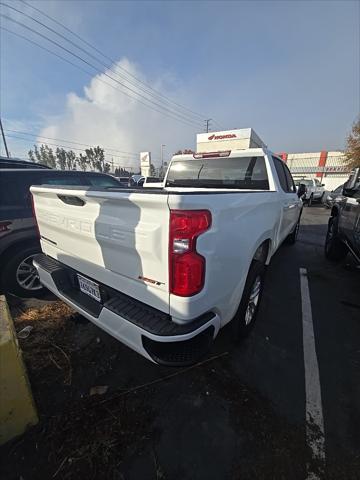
x,y
237,173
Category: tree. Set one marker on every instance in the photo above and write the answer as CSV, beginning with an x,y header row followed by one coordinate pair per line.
x,y
47,156
44,155
83,162
71,160
35,155
352,151
96,158
61,158
106,168
31,155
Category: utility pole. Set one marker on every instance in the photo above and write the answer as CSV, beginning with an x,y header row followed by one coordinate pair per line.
x,y
207,124
4,139
112,165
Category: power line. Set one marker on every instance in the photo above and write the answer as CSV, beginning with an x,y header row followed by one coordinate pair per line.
x,y
112,60
186,122
59,56
174,113
69,141
218,124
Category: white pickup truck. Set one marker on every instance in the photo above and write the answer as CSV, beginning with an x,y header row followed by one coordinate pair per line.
x,y
313,191
162,270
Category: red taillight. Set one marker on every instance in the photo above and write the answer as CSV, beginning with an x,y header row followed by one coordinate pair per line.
x,y
34,215
186,266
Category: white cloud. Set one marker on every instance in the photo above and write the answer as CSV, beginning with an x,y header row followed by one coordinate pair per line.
x,y
105,116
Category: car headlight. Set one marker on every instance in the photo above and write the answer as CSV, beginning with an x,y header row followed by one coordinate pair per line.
x,y
328,197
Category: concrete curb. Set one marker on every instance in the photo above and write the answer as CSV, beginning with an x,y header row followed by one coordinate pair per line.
x,y
17,407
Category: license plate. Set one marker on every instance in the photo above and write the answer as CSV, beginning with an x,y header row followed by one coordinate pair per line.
x,y
89,287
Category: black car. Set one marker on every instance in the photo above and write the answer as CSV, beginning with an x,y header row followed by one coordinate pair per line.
x,y
343,233
124,181
19,241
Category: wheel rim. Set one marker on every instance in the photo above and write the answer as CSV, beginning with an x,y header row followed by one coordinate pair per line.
x,y
253,300
27,276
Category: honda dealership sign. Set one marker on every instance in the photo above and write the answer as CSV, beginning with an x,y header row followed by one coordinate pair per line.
x,y
239,139
145,163
145,159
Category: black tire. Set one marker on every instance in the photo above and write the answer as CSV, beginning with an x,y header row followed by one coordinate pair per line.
x,y
292,237
242,325
11,275
335,249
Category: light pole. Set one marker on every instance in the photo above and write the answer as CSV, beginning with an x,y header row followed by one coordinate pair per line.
x,y
162,154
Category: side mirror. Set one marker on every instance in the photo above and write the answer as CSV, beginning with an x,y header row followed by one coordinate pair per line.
x,y
323,184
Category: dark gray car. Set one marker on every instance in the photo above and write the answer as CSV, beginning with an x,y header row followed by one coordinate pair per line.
x,y
19,241
334,196
343,233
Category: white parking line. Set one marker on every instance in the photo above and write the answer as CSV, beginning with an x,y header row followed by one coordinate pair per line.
x,y
315,436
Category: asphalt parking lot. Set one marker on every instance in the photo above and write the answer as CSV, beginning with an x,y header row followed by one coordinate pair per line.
x,y
240,414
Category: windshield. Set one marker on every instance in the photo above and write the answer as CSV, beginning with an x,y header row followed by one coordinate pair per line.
x,y
238,173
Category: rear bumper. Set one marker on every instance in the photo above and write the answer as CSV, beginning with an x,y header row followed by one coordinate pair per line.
x,y
146,330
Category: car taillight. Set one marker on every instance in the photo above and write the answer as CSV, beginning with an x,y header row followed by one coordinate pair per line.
x,y
34,215
186,265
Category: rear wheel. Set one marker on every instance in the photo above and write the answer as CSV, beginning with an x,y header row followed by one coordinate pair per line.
x,y
292,237
20,277
246,314
335,249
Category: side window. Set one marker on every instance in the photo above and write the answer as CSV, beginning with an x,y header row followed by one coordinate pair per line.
x,y
281,173
317,183
104,181
289,179
63,180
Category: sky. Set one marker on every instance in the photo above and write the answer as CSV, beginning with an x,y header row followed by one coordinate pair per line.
x,y
288,69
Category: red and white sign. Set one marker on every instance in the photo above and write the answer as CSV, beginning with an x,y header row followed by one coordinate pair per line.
x,y
237,139
222,137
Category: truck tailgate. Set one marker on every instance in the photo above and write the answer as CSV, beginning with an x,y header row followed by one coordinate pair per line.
x,y
116,238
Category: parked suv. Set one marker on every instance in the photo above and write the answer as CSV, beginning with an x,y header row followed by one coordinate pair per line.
x,y
19,240
343,233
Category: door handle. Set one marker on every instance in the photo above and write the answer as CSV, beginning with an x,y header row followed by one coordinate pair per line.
x,y
79,202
